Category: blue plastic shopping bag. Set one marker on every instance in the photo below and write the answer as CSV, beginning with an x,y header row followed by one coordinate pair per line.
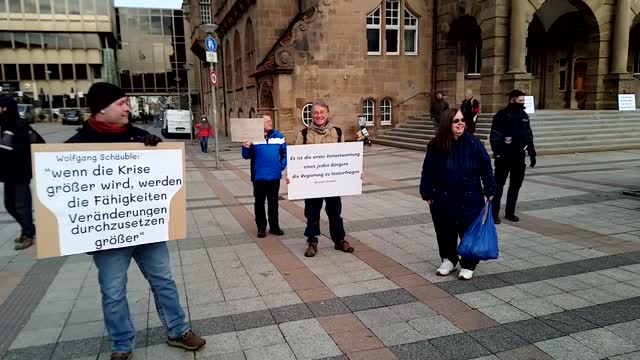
x,y
480,242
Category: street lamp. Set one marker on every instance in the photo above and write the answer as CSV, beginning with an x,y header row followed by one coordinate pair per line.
x,y
188,67
210,29
49,72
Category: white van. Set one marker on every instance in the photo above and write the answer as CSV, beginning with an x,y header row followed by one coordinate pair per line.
x,y
176,123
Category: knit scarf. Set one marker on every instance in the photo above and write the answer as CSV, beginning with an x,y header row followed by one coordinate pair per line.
x,y
326,129
106,128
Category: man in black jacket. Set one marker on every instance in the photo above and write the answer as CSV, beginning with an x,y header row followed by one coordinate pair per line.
x,y
15,169
109,123
510,136
438,106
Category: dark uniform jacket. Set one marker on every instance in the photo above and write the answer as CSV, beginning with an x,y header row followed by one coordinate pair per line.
x,y
15,149
511,133
459,182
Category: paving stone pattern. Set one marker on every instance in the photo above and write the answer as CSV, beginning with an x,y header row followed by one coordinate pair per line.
x,y
566,285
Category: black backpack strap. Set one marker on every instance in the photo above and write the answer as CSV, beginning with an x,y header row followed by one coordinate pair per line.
x,y
339,132
304,135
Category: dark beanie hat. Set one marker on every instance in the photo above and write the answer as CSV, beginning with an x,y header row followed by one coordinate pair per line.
x,y
10,103
103,94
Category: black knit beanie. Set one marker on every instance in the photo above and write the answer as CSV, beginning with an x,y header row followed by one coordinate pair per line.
x,y
103,94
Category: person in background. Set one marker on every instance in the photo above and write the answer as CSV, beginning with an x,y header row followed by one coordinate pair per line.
x,y
15,169
470,109
456,179
510,137
204,133
268,161
438,106
109,124
322,131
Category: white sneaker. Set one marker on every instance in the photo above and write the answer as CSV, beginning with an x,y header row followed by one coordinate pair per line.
x,y
465,274
446,268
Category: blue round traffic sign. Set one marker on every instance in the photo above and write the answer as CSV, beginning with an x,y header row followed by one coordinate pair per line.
x,y
211,44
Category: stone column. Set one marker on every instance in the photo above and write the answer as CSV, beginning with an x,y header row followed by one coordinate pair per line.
x,y
621,37
517,38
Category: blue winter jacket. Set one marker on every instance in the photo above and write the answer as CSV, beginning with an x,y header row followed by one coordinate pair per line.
x,y
268,157
453,181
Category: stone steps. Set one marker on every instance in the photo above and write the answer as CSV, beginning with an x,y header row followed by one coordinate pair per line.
x,y
555,132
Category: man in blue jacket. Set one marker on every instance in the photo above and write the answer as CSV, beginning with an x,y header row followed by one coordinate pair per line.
x,y
268,160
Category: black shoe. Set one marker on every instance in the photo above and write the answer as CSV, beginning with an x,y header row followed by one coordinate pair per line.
x,y
276,231
262,234
512,218
497,221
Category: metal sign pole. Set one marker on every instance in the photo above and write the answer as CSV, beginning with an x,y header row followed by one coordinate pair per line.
x,y
215,117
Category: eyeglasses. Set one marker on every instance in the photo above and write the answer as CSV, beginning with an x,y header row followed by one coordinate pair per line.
x,y
455,121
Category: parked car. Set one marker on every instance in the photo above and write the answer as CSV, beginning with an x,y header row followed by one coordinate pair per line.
x,y
72,117
26,113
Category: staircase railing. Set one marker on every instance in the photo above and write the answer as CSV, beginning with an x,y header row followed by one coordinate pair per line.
x,y
426,93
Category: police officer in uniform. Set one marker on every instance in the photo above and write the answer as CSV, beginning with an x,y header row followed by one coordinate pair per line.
x,y
510,136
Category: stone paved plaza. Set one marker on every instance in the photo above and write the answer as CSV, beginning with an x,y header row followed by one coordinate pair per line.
x,y
566,285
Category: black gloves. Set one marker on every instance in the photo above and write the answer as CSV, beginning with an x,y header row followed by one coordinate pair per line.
x,y
532,161
151,140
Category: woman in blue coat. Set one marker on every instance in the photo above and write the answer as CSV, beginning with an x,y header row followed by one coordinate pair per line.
x,y
457,180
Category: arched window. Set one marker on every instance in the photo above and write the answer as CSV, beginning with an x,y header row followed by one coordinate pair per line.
x,y
369,111
374,32
231,113
634,48
307,117
237,52
392,27
410,33
252,113
249,44
385,112
240,113
228,58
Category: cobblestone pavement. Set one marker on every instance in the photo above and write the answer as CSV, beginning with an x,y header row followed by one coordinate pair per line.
x,y
566,286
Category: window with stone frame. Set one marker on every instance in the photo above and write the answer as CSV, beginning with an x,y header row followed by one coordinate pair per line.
x,y
392,27
307,116
398,24
385,112
228,71
635,48
240,113
252,113
237,51
249,45
410,33
374,33
369,111
205,12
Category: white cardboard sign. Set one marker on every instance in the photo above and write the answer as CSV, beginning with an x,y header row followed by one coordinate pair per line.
x,y
627,102
324,170
91,200
529,105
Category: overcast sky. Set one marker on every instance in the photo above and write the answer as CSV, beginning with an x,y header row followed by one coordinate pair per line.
x,y
162,4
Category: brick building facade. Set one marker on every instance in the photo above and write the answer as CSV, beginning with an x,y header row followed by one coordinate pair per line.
x,y
380,57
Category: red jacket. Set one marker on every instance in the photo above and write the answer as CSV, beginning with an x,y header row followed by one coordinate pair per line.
x,y
203,132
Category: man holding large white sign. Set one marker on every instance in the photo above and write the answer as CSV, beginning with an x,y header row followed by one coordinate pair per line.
x,y
121,203
322,172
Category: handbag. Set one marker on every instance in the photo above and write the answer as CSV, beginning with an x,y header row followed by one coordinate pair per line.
x,y
480,241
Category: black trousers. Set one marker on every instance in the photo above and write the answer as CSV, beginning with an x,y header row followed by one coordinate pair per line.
x,y
333,208
514,169
447,233
266,190
17,201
